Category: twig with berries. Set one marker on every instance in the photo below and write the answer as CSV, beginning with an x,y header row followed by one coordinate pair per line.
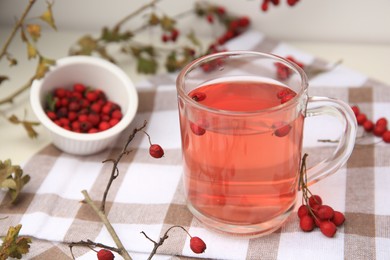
x,y
378,129
197,245
115,170
313,213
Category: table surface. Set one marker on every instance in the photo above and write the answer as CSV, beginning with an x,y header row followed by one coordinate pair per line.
x,y
369,59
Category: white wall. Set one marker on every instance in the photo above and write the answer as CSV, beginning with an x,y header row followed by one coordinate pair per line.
x,y
364,21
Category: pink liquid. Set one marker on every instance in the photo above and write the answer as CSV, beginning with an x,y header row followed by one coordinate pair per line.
x,y
241,172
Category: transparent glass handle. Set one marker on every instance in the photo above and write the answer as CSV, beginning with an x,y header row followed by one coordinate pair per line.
x,y
320,106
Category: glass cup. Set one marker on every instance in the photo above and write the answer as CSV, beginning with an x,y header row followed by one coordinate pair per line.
x,y
242,116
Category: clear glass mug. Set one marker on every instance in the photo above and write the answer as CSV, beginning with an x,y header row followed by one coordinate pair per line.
x,y
242,116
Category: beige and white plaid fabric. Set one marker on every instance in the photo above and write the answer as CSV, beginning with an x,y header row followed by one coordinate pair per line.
x,y
148,196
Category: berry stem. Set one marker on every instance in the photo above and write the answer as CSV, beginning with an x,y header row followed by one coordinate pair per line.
x,y
91,245
162,239
115,170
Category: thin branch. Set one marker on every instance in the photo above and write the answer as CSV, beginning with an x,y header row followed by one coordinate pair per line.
x,y
115,171
10,98
162,239
90,244
122,251
15,29
135,13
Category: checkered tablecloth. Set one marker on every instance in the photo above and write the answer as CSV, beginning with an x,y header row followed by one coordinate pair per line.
x,y
148,194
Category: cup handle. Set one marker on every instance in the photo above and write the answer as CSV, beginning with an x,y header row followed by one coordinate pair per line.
x,y
320,106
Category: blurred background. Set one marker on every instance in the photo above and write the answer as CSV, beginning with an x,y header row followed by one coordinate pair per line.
x,y
310,20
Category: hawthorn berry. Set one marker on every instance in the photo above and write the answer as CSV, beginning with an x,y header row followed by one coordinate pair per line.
x,y
197,245
104,254
156,151
79,109
328,228
306,223
196,129
361,118
315,200
386,136
287,98
379,130
325,212
338,218
282,129
198,96
303,211
355,110
381,121
368,126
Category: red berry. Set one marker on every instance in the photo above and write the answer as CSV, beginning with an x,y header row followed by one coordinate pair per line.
x,y
338,218
381,121
60,92
303,211
282,129
287,98
368,126
91,96
328,228
198,96
197,245
156,151
51,115
306,223
117,114
315,200
210,18
96,107
243,21
94,119
386,136
74,106
325,212
379,130
355,110
85,126
113,121
107,108
104,125
283,93
196,129
105,254
79,87
93,130
361,118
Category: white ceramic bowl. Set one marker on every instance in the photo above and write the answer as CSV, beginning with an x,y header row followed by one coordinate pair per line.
x,y
94,72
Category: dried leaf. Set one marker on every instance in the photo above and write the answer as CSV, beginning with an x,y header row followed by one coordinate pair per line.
x,y
32,52
28,125
167,23
12,179
34,30
194,40
47,16
87,45
12,61
23,35
3,78
30,130
42,68
153,19
14,246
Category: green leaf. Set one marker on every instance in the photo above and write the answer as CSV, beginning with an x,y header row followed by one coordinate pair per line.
x,y
146,65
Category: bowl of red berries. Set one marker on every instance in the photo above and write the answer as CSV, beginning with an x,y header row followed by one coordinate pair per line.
x,y
85,103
